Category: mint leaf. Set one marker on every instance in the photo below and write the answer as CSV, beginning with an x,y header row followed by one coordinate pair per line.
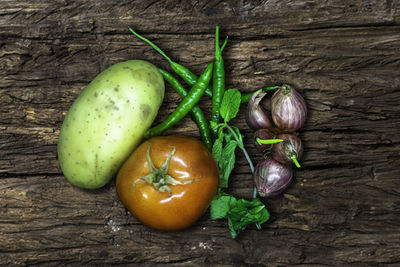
x,y
239,212
220,206
217,149
245,212
230,104
226,163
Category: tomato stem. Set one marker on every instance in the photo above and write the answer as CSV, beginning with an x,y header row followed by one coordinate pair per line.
x,y
159,177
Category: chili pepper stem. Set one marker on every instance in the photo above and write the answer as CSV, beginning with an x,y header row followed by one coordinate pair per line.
x,y
268,141
152,45
294,158
224,44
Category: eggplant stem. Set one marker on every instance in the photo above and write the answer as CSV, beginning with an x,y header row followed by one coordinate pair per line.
x,y
295,161
268,141
286,89
270,88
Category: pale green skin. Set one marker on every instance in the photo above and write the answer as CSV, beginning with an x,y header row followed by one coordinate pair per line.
x,y
107,122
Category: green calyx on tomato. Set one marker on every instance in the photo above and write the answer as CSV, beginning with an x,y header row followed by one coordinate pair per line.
x,y
159,177
188,201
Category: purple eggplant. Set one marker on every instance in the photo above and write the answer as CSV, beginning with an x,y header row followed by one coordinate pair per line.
x,y
288,109
290,150
272,177
256,116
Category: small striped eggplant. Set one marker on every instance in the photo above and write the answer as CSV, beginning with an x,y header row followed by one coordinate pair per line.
x,y
290,150
288,109
272,177
256,116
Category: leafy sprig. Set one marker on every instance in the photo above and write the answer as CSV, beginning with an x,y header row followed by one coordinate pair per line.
x,y
238,212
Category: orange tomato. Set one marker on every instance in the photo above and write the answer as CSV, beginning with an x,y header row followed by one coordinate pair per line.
x,y
175,205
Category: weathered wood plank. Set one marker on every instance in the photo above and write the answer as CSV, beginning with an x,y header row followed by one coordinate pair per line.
x,y
344,205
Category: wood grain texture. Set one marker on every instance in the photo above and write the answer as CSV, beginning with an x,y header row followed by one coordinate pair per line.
x,y
343,56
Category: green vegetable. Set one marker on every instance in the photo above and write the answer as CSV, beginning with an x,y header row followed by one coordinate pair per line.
x,y
189,77
225,157
185,105
218,88
107,121
225,105
230,104
229,109
239,212
196,112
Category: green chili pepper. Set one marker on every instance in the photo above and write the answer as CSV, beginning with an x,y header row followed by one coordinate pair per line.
x,y
185,105
218,81
196,112
189,77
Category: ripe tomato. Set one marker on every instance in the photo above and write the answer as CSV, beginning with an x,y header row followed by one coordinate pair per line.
x,y
178,204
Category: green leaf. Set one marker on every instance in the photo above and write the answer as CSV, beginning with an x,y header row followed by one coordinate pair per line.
x,y
230,104
220,206
217,149
221,132
245,212
228,136
239,212
226,163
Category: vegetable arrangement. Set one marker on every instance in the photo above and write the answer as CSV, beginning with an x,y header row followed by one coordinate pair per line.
x,y
277,140
168,182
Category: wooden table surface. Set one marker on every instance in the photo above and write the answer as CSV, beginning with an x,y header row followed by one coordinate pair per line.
x,y
343,207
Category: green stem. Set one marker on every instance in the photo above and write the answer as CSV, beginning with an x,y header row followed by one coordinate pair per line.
x,y
268,141
241,145
245,154
286,89
152,45
224,44
255,192
294,158
270,88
